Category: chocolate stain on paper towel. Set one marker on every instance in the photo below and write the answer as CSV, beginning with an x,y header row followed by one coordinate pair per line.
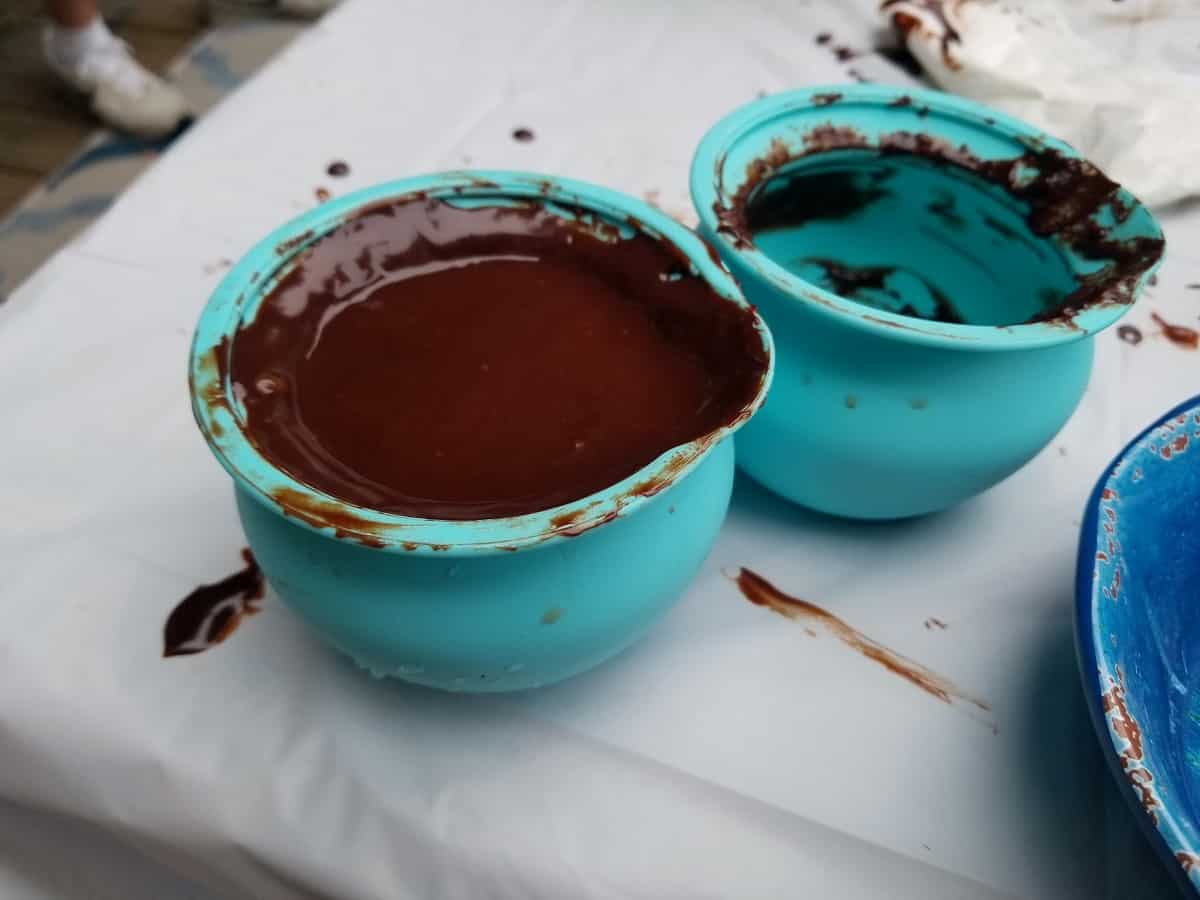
x,y
761,592
212,612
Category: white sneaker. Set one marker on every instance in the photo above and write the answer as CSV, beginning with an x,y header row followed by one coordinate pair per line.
x,y
306,9
123,93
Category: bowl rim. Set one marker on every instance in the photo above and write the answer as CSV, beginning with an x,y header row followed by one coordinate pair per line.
x,y
708,166
254,273
1166,836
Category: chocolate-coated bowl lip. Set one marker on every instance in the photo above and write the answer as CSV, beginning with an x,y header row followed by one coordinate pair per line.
x,y
252,277
782,114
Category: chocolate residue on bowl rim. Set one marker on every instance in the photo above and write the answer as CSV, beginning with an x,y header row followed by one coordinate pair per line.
x,y
212,612
330,513
761,592
1063,195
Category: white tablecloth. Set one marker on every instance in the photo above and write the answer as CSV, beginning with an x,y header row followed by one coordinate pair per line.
x,y
730,754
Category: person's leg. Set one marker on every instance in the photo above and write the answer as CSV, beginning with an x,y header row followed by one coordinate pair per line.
x,y
91,59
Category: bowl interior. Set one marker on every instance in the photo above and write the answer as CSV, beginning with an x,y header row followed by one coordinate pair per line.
x,y
1140,626
908,236
924,206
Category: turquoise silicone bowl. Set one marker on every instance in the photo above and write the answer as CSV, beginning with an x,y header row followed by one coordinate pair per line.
x,y
489,605
879,415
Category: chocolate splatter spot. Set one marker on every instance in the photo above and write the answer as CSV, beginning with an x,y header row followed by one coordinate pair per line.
x,y
918,403
851,401
212,612
825,99
552,615
222,263
1152,281
932,623
338,168
824,38
323,194
523,135
761,592
845,54
1129,334
1179,335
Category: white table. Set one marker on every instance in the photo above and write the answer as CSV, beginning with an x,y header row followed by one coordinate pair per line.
x,y
728,755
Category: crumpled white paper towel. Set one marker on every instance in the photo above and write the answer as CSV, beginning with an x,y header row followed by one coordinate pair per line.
x,y
1137,122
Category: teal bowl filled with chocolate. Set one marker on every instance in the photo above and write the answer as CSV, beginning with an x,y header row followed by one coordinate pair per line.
x,y
933,273
478,423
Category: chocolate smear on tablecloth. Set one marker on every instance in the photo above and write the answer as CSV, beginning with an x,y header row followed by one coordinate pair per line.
x,y
761,592
212,612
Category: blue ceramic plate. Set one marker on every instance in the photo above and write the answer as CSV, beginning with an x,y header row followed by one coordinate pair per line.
x,y
1138,630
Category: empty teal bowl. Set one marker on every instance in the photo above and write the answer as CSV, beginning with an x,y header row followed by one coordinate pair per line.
x,y
932,272
488,605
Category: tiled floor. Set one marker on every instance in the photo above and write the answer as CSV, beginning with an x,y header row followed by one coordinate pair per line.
x,y
58,168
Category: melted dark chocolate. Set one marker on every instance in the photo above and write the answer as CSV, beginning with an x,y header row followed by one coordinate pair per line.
x,y
338,168
944,207
460,363
812,197
211,612
524,135
1179,335
761,592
